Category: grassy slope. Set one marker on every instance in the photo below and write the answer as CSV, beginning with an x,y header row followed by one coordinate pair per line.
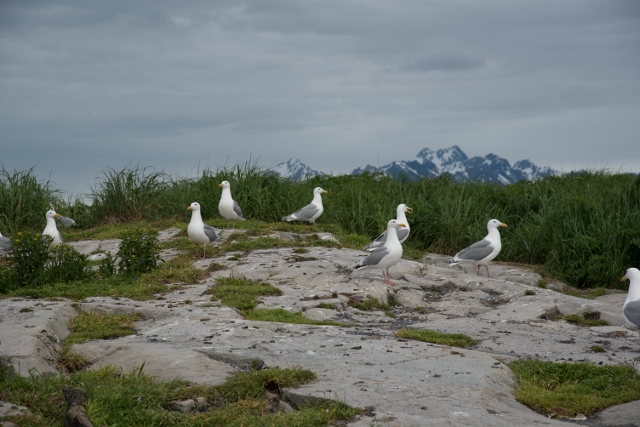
x,y
582,228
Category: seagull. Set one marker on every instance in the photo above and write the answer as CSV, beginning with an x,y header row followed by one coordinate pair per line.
x,y
198,231
312,211
387,255
5,245
480,253
51,229
631,306
403,233
229,208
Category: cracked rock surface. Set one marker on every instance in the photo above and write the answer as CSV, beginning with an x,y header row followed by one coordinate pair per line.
x,y
401,382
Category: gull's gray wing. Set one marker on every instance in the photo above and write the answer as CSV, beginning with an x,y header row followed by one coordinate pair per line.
x,y
374,258
403,233
5,244
476,252
632,312
66,221
211,233
236,209
307,212
377,242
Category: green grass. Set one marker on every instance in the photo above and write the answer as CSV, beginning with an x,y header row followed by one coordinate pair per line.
x,y
435,337
327,305
568,389
115,397
93,326
239,293
243,295
284,316
581,228
585,320
372,304
168,276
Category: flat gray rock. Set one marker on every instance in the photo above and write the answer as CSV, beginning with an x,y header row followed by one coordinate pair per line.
x,y
402,382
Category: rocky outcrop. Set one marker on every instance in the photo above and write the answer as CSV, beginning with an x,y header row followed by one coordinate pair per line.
x,y
186,335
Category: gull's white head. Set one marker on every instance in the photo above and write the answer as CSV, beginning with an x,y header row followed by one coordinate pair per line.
x,y
195,206
224,184
404,208
396,224
319,190
52,214
494,223
633,274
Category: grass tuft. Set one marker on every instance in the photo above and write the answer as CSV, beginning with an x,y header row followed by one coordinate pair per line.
x,y
426,335
568,389
586,319
93,326
284,316
114,396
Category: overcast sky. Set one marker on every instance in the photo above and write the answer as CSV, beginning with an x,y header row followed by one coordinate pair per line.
x,y
183,86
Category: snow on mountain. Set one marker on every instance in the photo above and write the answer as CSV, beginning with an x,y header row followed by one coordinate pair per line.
x,y
294,169
428,163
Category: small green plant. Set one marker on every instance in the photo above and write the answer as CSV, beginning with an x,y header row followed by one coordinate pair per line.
x,y
66,264
372,304
426,335
597,349
107,267
567,389
327,306
284,316
29,260
138,252
586,319
239,293
529,292
34,263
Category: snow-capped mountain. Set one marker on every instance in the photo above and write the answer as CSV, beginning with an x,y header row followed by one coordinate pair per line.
x,y
294,169
452,161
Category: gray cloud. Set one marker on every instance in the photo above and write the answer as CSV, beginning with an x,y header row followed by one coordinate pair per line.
x,y
339,84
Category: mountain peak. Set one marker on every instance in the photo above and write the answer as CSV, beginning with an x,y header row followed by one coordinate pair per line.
x,y
294,169
429,163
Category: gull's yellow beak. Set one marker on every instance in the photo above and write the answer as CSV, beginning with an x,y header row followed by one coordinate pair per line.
x,y
57,215
409,210
502,224
402,225
219,185
324,191
623,278
188,208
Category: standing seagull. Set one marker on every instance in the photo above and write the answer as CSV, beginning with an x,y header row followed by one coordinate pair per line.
x,y
51,229
631,306
403,233
387,255
5,245
312,211
229,208
198,231
480,253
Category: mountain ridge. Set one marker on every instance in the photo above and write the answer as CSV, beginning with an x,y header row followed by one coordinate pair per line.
x,y
431,164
